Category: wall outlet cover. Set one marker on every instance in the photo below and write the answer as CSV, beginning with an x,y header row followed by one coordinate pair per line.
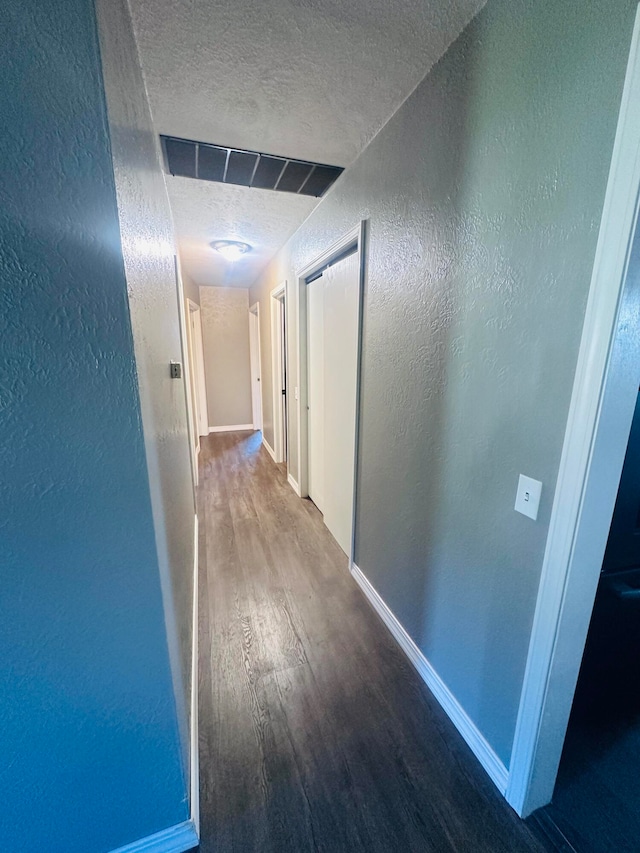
x,y
528,496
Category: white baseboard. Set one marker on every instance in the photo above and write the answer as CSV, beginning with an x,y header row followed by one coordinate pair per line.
x,y
231,428
294,485
194,752
456,713
175,839
268,448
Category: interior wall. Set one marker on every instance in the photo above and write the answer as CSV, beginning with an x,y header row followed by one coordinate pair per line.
x,y
191,289
149,258
227,363
483,196
89,735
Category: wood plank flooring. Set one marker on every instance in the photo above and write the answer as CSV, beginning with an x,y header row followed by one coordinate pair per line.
x,y
316,734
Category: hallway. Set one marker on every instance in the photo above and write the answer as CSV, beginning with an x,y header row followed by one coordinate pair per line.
x,y
315,731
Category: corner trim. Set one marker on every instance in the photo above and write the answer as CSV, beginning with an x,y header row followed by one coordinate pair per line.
x,y
269,449
175,839
195,754
294,485
231,428
454,710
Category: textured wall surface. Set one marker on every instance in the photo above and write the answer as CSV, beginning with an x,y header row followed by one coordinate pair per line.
x,y
147,243
89,736
227,364
191,289
483,194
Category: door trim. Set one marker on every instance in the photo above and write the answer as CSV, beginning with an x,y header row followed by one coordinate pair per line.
x,y
603,399
255,359
278,296
355,237
202,410
187,360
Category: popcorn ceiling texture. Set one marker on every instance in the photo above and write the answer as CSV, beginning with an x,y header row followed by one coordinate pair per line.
x,y
483,196
312,79
88,730
204,211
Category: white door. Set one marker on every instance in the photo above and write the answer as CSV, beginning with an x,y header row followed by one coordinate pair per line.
x,y
333,302
315,389
199,374
254,356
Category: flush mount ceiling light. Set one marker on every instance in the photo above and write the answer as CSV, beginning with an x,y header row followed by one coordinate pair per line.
x,y
232,250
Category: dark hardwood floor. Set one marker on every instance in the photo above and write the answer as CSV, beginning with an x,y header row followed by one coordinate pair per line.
x,y
316,734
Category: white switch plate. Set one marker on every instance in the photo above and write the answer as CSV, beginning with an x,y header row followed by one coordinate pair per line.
x,y
528,496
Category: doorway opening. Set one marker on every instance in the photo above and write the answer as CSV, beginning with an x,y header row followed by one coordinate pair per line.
x,y
256,365
598,428
330,295
278,303
596,800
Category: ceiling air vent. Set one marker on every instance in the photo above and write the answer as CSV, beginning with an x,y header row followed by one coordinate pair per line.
x,y
190,159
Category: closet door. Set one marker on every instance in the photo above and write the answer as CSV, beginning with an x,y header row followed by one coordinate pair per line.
x,y
340,317
315,389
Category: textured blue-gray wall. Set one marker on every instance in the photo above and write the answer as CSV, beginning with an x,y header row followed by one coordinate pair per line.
x,y
148,248
484,194
89,736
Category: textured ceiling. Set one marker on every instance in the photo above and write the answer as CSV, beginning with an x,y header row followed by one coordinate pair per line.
x,y
205,211
311,79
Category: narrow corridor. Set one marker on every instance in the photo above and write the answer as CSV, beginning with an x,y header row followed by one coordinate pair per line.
x,y
315,731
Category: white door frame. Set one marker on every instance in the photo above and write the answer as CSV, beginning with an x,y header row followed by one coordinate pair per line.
x,y
192,390
355,237
185,337
602,404
278,368
200,382
255,358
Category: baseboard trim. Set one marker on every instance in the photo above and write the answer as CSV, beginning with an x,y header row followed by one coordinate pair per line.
x,y
456,713
194,751
231,428
175,839
269,449
294,485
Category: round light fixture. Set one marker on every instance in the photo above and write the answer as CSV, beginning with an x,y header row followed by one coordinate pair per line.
x,y
232,250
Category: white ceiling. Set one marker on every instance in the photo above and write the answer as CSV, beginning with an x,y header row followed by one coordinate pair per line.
x,y
310,79
204,211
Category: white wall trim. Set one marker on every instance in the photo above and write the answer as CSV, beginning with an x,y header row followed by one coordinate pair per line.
x,y
202,406
175,839
593,452
231,428
268,448
195,752
294,485
454,710
276,298
255,358
185,346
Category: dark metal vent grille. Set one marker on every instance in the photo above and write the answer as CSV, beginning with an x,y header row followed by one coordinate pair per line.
x,y
190,159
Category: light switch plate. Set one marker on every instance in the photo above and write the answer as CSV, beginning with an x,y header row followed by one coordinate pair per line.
x,y
528,496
